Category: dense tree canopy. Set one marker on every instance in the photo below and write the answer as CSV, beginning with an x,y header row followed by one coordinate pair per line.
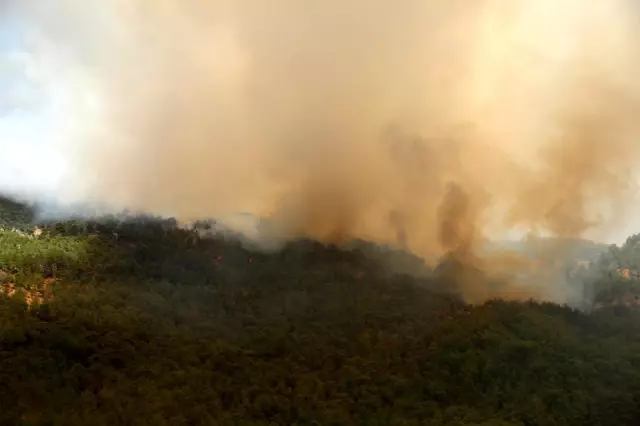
x,y
139,322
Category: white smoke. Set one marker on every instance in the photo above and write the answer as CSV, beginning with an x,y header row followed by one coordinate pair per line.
x,y
50,103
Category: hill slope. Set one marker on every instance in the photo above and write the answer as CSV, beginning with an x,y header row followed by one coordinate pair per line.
x,y
137,322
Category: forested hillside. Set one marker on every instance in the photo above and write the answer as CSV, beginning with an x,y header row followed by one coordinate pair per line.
x,y
138,322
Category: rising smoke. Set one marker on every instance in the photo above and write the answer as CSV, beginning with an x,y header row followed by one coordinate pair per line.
x,y
430,123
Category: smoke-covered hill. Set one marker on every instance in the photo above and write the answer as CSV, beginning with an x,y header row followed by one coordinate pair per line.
x,y
15,215
141,321
577,249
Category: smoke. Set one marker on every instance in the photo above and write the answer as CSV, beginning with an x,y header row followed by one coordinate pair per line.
x,y
430,123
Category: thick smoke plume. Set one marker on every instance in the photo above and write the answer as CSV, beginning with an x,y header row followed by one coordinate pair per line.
x,y
431,123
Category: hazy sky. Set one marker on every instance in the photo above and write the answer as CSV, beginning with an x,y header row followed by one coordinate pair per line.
x,y
30,158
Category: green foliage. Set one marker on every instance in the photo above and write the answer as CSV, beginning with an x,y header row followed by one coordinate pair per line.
x,y
609,284
21,254
146,323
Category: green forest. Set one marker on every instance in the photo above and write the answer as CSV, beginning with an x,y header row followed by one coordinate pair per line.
x,y
136,321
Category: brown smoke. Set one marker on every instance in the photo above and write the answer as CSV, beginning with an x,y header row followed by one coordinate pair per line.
x,y
430,122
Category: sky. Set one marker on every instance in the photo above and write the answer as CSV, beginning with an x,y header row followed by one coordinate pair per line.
x,y
31,158
48,102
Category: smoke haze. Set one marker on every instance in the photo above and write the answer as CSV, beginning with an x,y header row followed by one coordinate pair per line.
x,y
429,123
